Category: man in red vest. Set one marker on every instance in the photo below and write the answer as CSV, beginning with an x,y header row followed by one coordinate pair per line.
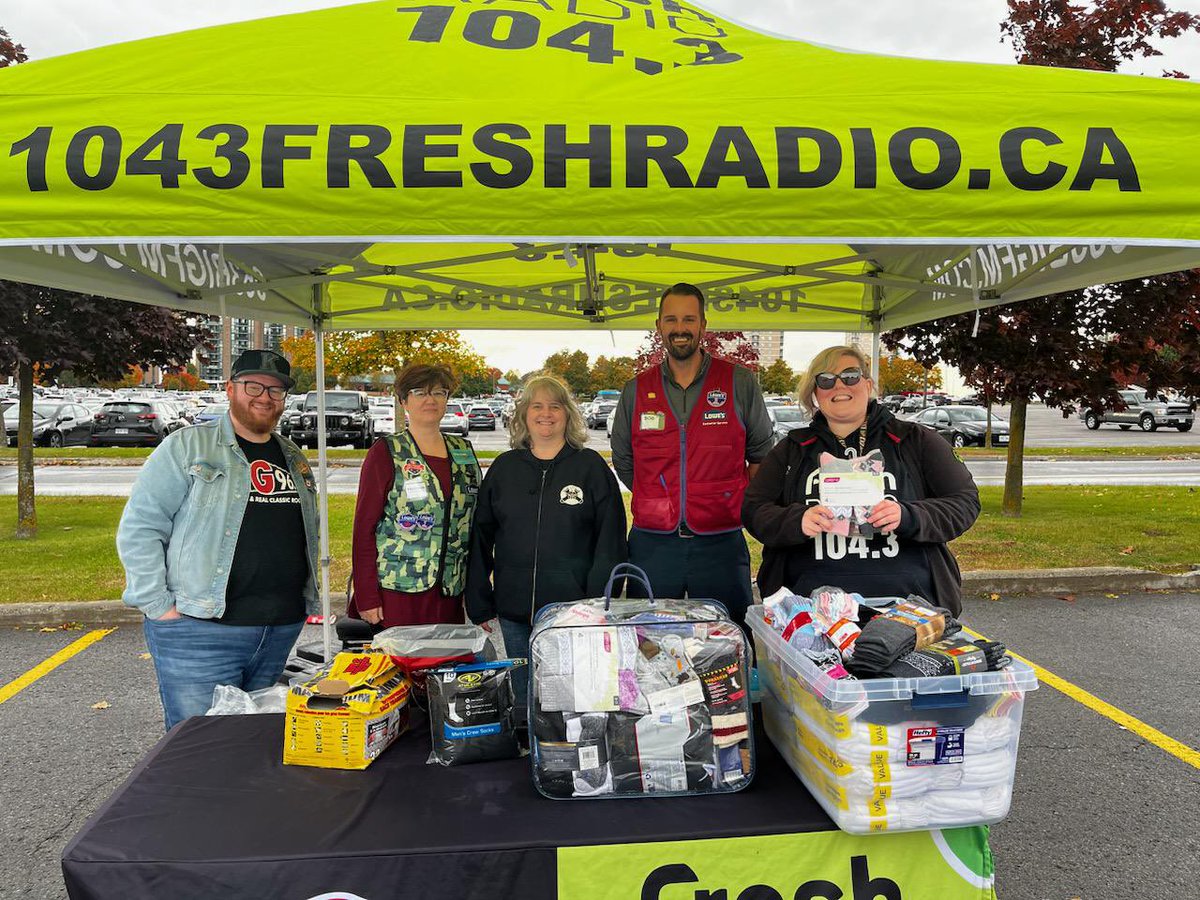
x,y
687,437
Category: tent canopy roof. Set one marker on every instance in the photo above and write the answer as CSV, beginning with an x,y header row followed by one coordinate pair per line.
x,y
549,164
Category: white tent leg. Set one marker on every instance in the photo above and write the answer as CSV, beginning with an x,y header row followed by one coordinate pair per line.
x,y
322,478
876,362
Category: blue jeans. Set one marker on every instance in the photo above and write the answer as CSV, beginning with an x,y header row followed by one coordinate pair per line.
x,y
516,645
192,656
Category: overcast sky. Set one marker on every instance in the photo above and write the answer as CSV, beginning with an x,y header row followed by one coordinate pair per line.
x,y
938,29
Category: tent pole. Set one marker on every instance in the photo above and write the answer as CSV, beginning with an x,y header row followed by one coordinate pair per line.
x,y
323,474
877,301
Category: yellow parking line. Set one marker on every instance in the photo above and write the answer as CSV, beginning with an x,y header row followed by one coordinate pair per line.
x,y
1091,701
47,666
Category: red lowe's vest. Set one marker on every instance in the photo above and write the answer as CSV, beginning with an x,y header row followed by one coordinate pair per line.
x,y
695,474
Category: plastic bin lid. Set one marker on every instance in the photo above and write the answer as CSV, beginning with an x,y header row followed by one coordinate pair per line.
x,y
1019,676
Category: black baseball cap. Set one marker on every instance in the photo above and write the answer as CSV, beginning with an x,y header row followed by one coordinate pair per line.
x,y
264,362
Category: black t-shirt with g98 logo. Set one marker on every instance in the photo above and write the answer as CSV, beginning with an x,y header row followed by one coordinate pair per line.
x,y
266,580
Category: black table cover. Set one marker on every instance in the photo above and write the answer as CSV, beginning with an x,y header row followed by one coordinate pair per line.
x,y
213,812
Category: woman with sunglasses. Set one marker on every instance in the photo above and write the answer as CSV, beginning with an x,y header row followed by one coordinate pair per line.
x,y
930,497
412,521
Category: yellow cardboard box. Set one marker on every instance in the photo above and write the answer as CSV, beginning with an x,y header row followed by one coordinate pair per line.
x,y
346,718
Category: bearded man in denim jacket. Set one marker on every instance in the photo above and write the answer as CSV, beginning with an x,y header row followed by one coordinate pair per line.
x,y
219,545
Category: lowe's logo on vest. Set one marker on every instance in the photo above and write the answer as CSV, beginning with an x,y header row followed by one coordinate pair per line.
x,y
863,887
271,484
717,398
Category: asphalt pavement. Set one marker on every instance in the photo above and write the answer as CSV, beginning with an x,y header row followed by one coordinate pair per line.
x,y
116,481
1099,811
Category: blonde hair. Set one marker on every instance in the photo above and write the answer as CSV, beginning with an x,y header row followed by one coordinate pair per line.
x,y
824,362
518,429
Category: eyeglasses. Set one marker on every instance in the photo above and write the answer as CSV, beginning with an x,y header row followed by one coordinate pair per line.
x,y
436,393
256,388
850,377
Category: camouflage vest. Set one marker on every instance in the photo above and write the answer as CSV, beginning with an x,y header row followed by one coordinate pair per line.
x,y
420,541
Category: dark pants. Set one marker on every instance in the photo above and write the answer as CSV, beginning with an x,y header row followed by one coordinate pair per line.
x,y
516,645
704,567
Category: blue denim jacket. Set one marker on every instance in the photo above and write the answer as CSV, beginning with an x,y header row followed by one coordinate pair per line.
x,y
180,527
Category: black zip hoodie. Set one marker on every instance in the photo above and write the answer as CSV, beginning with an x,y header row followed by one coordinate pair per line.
x,y
937,495
563,519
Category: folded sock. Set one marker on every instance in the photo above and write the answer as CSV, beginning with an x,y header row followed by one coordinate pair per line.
x,y
904,628
830,604
966,807
989,733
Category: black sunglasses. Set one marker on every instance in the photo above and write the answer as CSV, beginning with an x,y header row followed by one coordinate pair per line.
x,y
850,377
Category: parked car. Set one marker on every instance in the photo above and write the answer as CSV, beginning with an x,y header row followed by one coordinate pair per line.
x,y
608,422
1148,413
131,423
785,419
176,416
481,418
8,416
963,426
347,420
383,416
455,419
599,413
892,401
292,411
55,424
210,412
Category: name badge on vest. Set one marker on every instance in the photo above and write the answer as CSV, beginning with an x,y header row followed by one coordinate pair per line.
x,y
653,421
463,456
415,490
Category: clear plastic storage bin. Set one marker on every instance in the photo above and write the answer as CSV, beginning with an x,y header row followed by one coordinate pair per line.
x,y
636,698
894,754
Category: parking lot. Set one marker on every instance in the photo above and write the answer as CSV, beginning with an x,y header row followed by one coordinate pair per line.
x,y
1044,428
1102,809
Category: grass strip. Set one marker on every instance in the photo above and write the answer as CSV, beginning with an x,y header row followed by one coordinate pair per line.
x,y
1162,452
1158,528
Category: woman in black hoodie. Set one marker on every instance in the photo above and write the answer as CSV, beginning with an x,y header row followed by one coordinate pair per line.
x,y
931,497
550,522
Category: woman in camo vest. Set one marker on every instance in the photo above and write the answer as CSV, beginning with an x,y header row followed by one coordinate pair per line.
x,y
412,521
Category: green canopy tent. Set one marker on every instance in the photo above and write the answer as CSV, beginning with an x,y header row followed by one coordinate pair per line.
x,y
526,164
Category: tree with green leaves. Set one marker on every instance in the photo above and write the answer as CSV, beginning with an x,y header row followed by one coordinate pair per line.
x,y
480,382
611,372
572,367
779,378
48,331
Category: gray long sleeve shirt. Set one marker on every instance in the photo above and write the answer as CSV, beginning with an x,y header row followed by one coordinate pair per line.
x,y
747,401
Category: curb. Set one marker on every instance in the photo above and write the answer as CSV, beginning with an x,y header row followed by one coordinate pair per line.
x,y
1094,580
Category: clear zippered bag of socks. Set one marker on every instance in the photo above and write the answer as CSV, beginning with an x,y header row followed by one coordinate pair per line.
x,y
639,697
